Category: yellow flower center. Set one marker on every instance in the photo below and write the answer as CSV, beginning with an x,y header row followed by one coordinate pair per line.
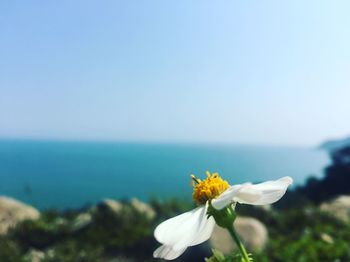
x,y
209,188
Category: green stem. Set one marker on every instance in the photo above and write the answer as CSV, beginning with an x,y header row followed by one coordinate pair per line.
x,y
239,243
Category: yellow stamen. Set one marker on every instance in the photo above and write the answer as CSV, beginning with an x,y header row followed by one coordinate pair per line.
x,y
195,179
209,188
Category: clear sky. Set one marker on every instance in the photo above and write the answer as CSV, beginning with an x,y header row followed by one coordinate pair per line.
x,y
266,72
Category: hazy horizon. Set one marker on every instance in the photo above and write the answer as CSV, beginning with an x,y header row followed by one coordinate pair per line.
x,y
164,142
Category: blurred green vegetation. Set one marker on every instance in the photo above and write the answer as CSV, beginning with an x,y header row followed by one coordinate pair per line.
x,y
107,235
297,234
303,234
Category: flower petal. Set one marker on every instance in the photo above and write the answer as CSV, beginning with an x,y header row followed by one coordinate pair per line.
x,y
226,197
167,252
180,231
206,232
270,192
259,194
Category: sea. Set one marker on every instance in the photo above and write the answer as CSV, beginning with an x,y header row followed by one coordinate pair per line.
x,y
65,175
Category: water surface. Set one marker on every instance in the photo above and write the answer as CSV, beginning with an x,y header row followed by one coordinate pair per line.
x,y
71,174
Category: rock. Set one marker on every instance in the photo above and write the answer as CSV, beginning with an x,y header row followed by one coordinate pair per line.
x,y
253,233
339,208
143,208
117,207
265,207
81,221
60,221
111,205
34,255
327,238
12,212
49,253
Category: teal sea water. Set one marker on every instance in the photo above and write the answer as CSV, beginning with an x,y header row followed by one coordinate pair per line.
x,y
72,174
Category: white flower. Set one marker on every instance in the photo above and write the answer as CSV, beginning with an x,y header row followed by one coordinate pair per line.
x,y
194,227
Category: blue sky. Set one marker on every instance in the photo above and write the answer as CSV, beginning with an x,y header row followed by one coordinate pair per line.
x,y
266,72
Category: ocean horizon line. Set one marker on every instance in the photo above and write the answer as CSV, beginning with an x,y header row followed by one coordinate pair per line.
x,y
159,142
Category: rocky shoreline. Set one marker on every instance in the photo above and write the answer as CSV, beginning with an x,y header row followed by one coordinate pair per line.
x,y
14,214
115,230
